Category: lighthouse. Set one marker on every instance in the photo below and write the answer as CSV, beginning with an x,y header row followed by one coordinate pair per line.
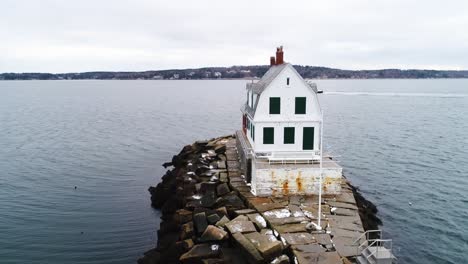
x,y
280,141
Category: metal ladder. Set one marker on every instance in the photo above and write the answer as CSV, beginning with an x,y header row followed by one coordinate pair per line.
x,y
374,250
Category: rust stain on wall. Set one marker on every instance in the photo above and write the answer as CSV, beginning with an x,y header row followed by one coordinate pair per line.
x,y
285,188
299,181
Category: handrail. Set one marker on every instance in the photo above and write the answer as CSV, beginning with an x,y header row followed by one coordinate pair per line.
x,y
377,244
374,241
366,234
243,143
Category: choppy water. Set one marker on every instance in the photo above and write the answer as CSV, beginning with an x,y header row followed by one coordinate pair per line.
x,y
400,141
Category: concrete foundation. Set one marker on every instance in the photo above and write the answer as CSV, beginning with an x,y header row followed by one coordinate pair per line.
x,y
281,179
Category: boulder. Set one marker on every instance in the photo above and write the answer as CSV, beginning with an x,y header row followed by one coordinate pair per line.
x,y
183,216
240,227
222,222
241,218
222,189
207,187
232,200
248,249
200,222
283,259
213,233
221,211
208,199
244,211
268,246
186,231
258,220
213,219
199,252
223,177
220,148
221,165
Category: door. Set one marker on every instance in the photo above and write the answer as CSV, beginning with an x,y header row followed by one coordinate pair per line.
x,y
308,138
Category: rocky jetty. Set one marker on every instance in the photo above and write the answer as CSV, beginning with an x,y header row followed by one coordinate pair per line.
x,y
210,216
204,219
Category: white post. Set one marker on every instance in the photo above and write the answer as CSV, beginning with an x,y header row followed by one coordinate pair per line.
x,y
320,178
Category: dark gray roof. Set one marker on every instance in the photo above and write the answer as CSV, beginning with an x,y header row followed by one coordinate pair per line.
x,y
269,76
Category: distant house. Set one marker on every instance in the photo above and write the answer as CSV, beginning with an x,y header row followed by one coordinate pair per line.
x,y
280,137
217,75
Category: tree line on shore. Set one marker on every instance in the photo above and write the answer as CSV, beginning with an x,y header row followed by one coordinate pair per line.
x,y
239,72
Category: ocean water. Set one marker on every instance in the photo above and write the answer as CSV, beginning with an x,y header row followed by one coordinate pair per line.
x,y
399,141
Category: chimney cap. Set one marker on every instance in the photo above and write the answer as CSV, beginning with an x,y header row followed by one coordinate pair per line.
x,y
279,55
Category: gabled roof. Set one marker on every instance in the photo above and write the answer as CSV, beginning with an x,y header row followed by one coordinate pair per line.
x,y
266,80
269,76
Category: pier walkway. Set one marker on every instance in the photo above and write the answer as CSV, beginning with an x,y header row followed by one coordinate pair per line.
x,y
289,216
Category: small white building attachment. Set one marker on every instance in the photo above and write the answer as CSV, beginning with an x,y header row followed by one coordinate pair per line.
x,y
280,141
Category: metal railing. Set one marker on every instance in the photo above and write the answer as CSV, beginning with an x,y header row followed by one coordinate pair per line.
x,y
242,139
378,244
287,157
362,243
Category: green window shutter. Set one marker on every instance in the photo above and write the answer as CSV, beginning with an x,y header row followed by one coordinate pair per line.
x,y
300,105
308,138
275,105
289,135
253,132
268,135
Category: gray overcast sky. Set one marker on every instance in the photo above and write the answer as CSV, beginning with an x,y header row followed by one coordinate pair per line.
x,y
88,35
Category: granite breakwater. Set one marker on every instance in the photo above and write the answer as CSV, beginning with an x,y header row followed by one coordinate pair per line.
x,y
210,216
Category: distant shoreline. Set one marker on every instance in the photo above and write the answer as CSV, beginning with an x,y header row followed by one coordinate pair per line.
x,y
237,79
241,73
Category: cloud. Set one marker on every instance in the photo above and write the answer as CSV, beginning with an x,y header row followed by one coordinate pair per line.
x,y
69,36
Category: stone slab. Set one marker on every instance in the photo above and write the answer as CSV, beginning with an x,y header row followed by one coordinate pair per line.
x,y
268,246
298,238
309,248
318,258
345,247
240,227
258,220
291,228
249,250
200,251
323,239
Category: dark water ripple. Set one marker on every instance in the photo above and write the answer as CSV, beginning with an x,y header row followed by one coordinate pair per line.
x,y
400,141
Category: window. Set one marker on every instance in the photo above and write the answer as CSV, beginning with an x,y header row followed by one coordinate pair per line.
x,y
253,133
308,138
300,105
275,105
268,135
289,135
248,124
287,81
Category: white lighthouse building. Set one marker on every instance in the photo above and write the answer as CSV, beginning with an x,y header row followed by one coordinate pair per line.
x,y
280,142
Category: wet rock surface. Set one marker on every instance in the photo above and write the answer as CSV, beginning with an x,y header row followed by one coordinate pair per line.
x,y
205,217
210,215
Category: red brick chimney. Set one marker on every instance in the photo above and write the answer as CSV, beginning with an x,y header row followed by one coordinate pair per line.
x,y
279,55
272,61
